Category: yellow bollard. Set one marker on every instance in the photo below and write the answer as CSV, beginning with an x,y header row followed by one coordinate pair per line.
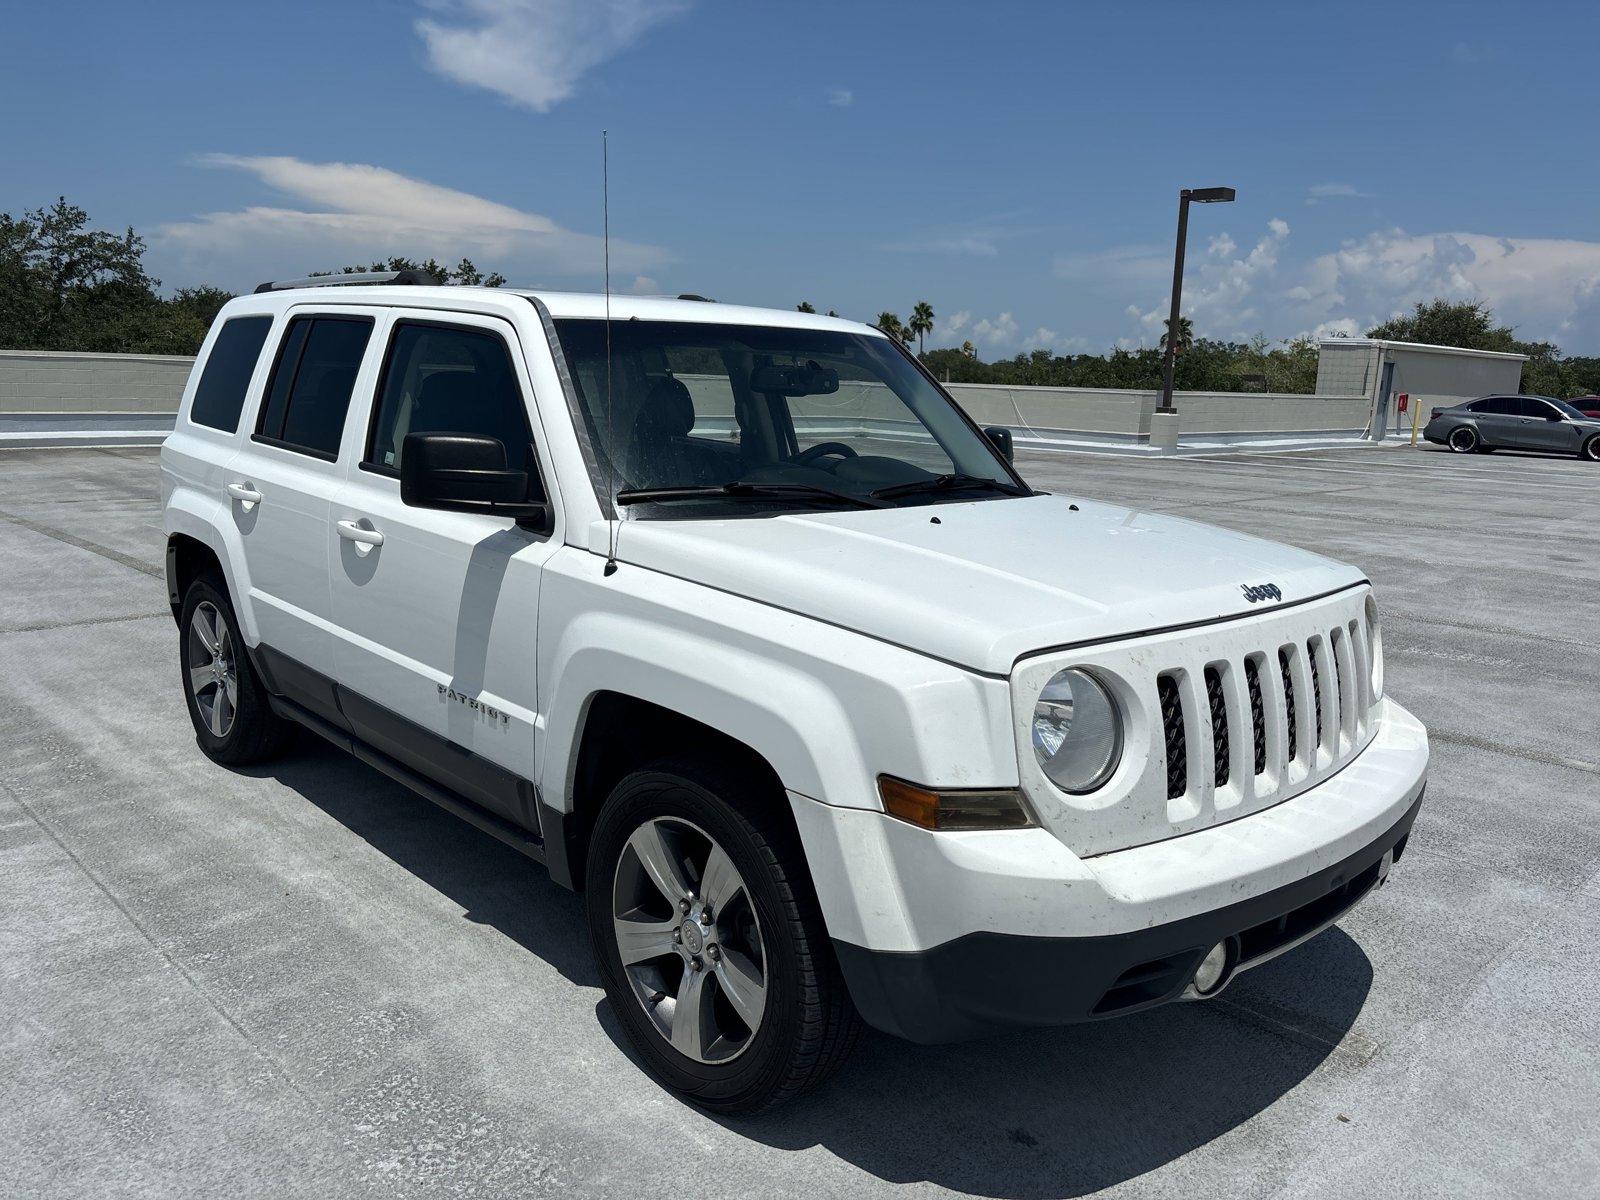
x,y
1416,416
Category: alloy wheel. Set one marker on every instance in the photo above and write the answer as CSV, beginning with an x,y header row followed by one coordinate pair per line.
x,y
689,940
213,669
1463,439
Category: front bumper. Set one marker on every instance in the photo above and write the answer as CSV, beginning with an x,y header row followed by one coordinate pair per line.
x,y
947,936
987,982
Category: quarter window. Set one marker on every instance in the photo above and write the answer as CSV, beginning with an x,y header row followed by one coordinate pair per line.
x,y
448,379
312,382
219,396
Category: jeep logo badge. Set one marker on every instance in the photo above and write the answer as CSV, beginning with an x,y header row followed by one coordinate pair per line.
x,y
1255,592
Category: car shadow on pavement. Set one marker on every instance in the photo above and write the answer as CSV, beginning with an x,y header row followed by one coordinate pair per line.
x,y
1068,1111
1038,1113
495,884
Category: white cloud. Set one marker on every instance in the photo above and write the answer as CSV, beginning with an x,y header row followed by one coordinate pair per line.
x,y
643,285
976,245
1545,287
1001,335
1318,192
841,97
357,212
533,52
1217,291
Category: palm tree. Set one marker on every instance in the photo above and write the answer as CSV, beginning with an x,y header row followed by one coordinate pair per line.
x,y
1185,335
804,306
969,350
921,322
890,324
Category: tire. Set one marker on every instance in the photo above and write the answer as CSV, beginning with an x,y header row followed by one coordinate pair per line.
x,y
1591,449
233,722
765,940
1464,439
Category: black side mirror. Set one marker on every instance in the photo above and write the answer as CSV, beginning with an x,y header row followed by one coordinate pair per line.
x,y
1000,436
464,472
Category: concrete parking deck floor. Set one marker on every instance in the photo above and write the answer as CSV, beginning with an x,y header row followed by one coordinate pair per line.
x,y
305,981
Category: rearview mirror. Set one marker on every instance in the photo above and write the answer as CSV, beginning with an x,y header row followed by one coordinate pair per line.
x,y
1000,437
808,379
464,472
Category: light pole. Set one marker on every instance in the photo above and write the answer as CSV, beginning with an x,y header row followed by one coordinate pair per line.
x,y
1216,195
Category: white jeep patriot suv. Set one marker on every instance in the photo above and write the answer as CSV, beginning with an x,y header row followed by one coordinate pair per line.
x,y
735,621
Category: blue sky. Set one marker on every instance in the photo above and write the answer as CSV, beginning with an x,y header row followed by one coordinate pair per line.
x,y
1016,165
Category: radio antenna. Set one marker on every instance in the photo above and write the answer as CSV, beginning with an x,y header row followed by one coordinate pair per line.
x,y
611,416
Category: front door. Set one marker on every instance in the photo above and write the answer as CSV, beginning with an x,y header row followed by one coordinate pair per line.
x,y
1546,428
436,613
280,486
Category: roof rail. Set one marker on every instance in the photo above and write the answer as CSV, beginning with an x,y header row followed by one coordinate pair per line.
x,y
408,276
692,296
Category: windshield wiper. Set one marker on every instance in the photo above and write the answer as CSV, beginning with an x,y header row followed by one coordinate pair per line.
x,y
948,483
741,491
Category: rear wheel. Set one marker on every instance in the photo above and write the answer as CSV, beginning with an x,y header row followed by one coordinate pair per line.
x,y
1464,439
233,721
709,939
1591,449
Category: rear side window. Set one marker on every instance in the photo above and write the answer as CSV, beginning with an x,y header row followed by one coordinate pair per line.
x,y
312,382
220,394
448,379
1504,406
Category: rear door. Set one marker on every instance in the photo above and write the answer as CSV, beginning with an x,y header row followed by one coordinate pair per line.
x,y
281,485
1500,421
436,613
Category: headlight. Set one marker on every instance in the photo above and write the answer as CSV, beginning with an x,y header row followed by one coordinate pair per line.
x,y
1375,647
1077,731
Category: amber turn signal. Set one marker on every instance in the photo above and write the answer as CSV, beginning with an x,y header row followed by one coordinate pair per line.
x,y
952,810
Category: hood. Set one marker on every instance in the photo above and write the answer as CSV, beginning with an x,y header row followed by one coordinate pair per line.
x,y
985,583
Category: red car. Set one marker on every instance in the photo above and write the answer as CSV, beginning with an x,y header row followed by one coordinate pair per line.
x,y
1589,406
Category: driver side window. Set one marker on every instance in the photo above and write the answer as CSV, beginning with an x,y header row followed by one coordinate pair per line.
x,y
448,379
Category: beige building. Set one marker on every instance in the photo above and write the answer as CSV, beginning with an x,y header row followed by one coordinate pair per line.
x,y
1432,376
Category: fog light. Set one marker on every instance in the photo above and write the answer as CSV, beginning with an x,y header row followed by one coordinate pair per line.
x,y
1212,966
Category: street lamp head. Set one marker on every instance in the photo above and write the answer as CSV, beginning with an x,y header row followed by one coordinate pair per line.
x,y
1217,195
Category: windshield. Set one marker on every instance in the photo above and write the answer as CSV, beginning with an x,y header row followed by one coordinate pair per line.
x,y
794,417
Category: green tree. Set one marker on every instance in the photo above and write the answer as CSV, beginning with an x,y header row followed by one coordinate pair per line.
x,y
1185,335
921,323
890,324
64,286
1468,324
805,306
464,273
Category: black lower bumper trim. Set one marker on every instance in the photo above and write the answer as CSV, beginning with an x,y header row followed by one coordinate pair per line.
x,y
984,983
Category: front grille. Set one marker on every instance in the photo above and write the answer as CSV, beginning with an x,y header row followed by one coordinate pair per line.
x,y
1219,726
1192,698
1177,744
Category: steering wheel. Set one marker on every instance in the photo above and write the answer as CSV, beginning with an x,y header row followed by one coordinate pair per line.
x,y
822,450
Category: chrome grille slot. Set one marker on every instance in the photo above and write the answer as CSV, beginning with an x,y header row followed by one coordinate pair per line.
x,y
1177,744
1258,712
1288,703
1219,727
1316,690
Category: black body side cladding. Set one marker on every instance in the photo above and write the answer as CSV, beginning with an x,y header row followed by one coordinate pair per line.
x,y
478,791
985,983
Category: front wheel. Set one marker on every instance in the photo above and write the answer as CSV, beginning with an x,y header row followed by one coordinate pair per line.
x,y
1591,449
709,939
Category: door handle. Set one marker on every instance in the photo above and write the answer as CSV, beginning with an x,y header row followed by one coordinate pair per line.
x,y
364,538
244,493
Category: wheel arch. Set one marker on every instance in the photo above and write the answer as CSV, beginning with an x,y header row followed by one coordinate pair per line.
x,y
621,733
194,540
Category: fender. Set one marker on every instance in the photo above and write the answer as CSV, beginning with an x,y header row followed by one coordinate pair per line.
x,y
792,689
